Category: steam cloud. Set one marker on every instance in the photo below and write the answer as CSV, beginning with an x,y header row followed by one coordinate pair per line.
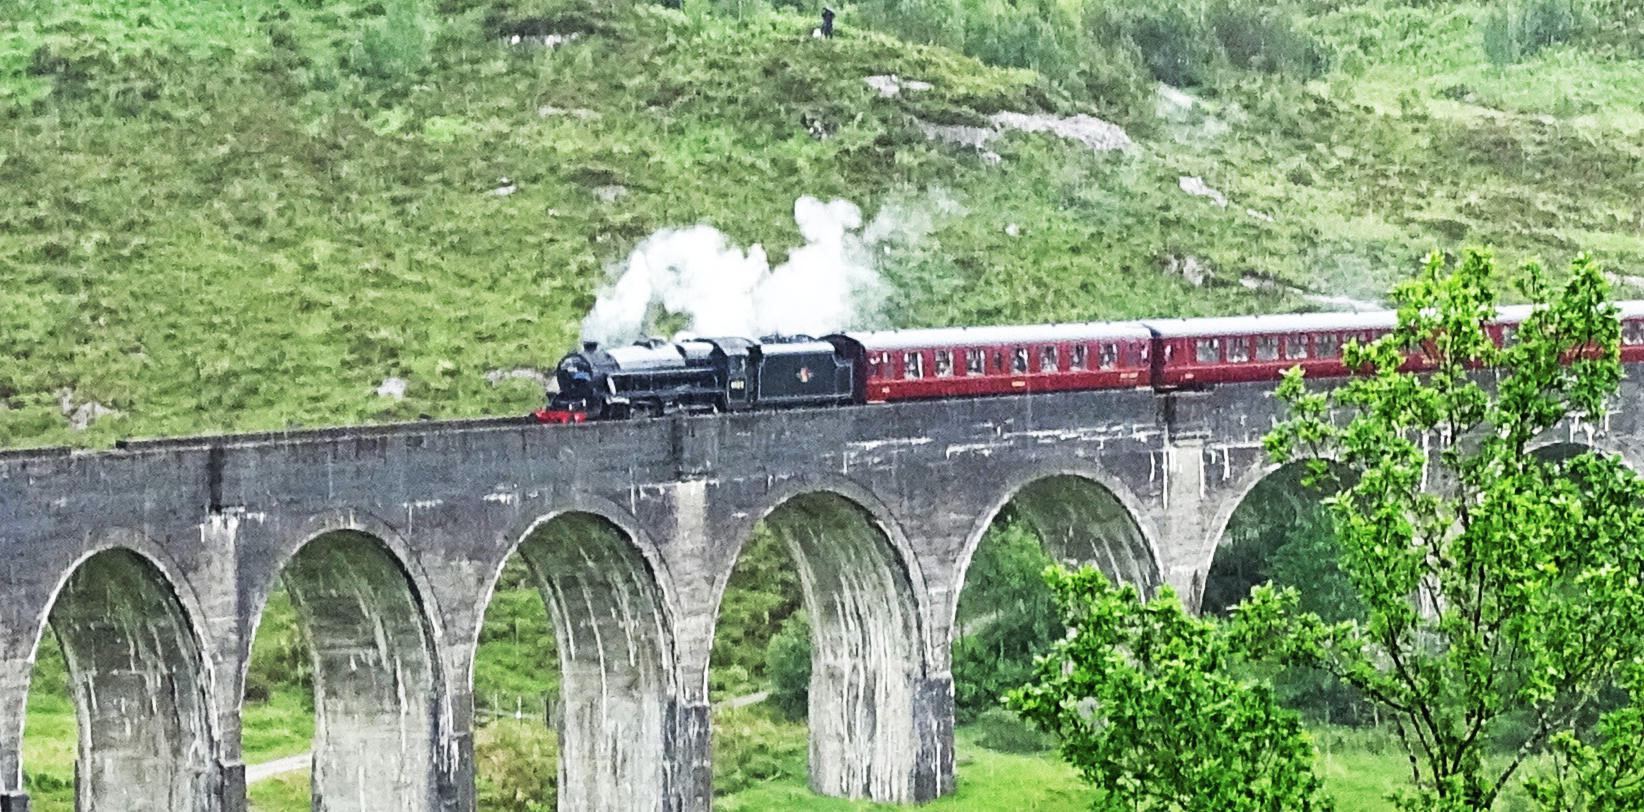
x,y
827,284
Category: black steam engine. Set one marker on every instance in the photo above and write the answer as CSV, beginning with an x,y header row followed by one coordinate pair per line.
x,y
700,375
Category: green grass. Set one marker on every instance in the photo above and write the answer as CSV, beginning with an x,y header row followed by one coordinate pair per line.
x,y
49,737
282,726
1359,769
222,220
517,663
987,780
282,793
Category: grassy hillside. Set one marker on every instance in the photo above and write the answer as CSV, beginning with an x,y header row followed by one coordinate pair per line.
x,y
245,215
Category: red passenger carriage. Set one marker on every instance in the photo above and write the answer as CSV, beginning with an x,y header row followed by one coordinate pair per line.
x,y
974,361
1252,348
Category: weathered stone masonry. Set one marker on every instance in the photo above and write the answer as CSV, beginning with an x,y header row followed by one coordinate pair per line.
x,y
153,562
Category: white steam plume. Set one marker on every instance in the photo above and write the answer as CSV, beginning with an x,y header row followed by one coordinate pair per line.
x,y
827,284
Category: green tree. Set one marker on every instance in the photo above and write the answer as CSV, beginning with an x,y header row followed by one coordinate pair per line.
x,y
1496,584
1605,776
762,594
788,665
1150,706
1006,618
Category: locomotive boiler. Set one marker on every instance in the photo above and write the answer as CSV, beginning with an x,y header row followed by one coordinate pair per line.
x,y
656,377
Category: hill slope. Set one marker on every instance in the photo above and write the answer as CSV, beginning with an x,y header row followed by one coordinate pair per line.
x,y
246,214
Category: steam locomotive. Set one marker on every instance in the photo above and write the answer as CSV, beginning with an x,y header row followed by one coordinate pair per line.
x,y
735,374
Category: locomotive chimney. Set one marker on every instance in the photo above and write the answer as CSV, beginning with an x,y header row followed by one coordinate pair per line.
x,y
590,346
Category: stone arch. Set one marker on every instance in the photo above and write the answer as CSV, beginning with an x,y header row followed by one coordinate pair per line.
x,y
1552,449
1234,498
140,682
1082,516
859,585
378,694
618,686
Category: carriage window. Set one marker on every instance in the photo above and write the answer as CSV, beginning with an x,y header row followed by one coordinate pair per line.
x,y
1267,348
998,362
1509,334
1047,359
913,365
1295,347
974,359
1110,356
1327,345
1238,350
1081,353
1632,332
1018,360
944,363
1207,351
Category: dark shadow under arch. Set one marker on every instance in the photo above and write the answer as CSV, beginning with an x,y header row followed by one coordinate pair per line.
x,y
618,682
1560,452
140,688
1278,508
377,694
1082,522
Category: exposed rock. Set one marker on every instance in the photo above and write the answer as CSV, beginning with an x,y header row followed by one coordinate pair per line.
x,y
1093,132
1190,113
1189,268
610,192
497,376
1261,281
816,126
548,111
1194,185
976,138
1013,230
392,388
1266,218
1173,103
891,86
549,41
81,416
504,188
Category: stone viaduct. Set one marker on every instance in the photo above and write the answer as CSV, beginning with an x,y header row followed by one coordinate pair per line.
x,y
151,564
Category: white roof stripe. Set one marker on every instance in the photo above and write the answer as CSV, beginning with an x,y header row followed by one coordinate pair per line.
x,y
1167,328
1286,323
995,336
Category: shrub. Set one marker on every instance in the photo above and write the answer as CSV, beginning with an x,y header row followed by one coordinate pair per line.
x,y
1518,30
1170,39
1044,36
788,665
1187,44
1265,38
1001,730
396,47
517,767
